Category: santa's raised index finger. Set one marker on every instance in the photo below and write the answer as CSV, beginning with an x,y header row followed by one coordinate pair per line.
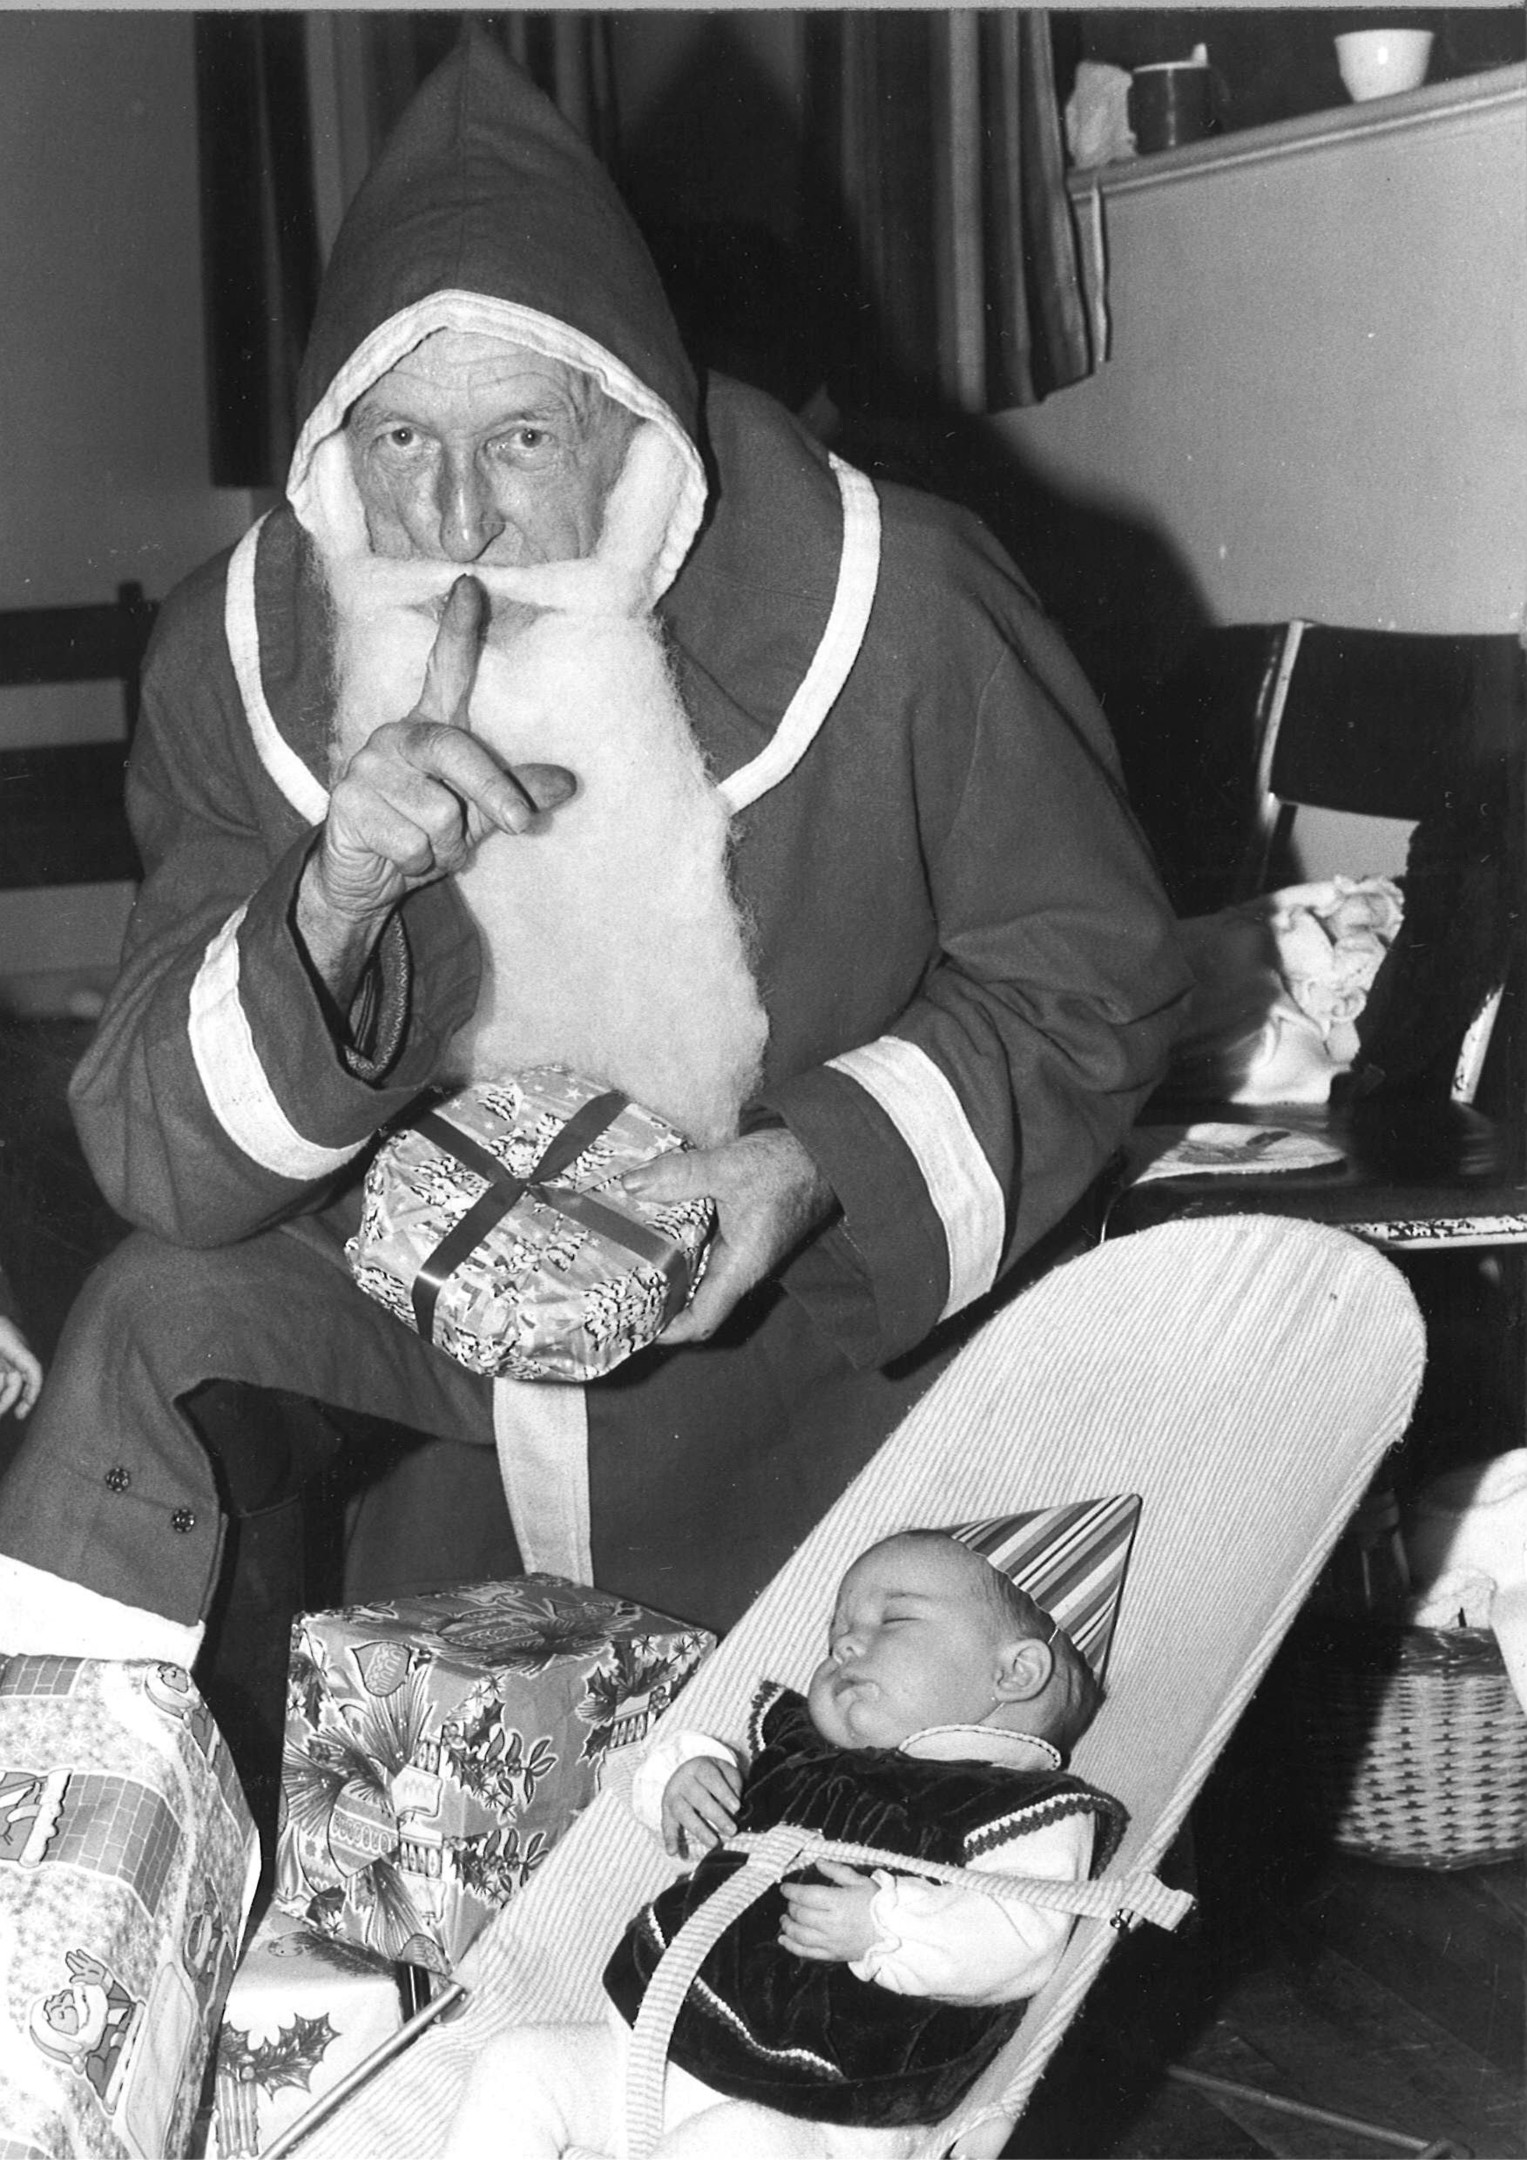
x,y
451,668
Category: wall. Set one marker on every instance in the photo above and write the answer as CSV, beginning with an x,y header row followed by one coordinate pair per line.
x,y
101,376
1335,427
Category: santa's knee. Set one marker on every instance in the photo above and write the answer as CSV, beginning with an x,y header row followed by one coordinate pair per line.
x,y
173,1305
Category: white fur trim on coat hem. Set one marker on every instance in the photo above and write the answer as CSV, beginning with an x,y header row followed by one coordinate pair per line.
x,y
46,1615
307,796
541,1428
853,597
921,1103
233,1079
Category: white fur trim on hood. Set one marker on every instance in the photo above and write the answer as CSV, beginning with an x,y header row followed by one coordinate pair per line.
x,y
317,492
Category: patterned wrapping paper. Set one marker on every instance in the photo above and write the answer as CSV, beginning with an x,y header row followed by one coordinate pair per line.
x,y
301,2013
436,1748
568,1280
127,1860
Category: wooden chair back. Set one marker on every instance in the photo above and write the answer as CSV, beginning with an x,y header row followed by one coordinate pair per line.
x,y
62,819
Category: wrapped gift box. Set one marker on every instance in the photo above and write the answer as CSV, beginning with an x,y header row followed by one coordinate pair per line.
x,y
301,2013
493,1224
436,1747
129,1859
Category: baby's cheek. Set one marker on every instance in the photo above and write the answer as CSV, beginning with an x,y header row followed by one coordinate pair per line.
x,y
820,1707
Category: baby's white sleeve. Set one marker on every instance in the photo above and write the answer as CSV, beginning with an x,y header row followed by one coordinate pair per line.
x,y
650,1780
945,1940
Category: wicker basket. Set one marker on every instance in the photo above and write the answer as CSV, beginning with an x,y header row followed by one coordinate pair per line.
x,y
1415,1744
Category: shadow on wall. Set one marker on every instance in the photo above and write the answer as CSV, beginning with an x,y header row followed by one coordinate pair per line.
x,y
774,291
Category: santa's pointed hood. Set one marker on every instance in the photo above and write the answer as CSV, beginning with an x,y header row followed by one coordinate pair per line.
x,y
487,212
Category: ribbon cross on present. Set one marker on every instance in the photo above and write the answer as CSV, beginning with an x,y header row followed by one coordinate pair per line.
x,y
505,1191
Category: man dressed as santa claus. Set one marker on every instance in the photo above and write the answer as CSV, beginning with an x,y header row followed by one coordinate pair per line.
x,y
571,710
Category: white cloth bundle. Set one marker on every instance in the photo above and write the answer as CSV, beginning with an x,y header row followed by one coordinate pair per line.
x,y
1466,1540
1279,984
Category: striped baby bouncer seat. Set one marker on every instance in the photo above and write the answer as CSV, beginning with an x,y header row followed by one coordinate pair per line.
x,y
1243,1376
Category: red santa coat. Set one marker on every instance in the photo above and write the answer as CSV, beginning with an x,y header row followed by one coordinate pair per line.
x,y
966,962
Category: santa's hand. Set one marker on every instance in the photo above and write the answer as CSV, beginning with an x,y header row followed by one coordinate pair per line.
x,y
835,1926
414,802
699,1806
20,1372
769,1196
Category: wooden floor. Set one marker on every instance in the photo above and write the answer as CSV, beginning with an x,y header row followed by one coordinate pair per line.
x,y
1390,1996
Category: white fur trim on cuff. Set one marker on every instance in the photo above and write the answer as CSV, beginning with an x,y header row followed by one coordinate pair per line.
x,y
46,1615
542,1433
921,1103
307,796
234,1081
854,596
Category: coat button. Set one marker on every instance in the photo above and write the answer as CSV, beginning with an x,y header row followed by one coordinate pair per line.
x,y
117,1479
182,1520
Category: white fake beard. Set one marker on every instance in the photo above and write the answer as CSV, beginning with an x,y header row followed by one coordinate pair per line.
x,y
611,942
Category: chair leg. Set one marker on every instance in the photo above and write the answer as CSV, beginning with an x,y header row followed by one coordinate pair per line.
x,y
1380,2133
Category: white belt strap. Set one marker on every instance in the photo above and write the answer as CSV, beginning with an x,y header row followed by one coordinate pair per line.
x,y
771,1855
541,1429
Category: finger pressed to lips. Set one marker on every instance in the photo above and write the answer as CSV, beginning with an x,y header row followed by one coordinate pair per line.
x,y
452,665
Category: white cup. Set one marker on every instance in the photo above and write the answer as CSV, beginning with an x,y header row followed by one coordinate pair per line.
x,y
1378,63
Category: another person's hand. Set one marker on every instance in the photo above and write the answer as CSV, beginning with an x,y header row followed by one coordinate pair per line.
x,y
20,1372
414,803
834,1926
700,1805
769,1196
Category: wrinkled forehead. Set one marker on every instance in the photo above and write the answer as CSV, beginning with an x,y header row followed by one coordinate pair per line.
x,y
464,368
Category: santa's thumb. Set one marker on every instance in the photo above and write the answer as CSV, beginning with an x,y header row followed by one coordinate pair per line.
x,y
682,1174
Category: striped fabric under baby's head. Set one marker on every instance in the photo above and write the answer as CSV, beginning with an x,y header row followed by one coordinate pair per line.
x,y
1070,1559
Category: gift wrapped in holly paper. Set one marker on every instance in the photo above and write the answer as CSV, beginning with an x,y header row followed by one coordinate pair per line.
x,y
302,2013
493,1223
437,1747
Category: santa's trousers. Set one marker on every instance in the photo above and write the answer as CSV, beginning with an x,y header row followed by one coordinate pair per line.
x,y
204,1429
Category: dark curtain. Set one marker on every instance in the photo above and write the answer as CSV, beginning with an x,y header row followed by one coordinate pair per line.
x,y
939,209
259,237
565,54
568,56
260,246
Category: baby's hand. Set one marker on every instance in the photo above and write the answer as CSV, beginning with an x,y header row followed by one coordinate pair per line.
x,y
700,1805
834,1926
20,1373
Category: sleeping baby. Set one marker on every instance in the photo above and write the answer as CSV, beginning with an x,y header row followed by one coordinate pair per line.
x,y
844,2007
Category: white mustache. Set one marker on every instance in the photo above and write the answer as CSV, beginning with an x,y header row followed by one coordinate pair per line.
x,y
420,584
